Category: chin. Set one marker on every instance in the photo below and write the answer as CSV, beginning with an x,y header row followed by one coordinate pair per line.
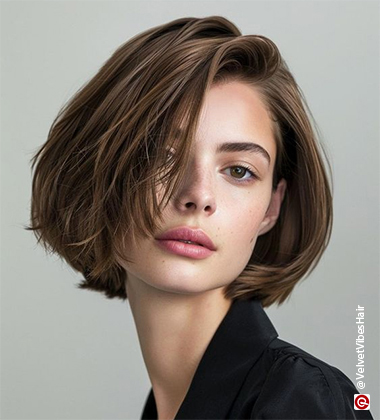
x,y
191,285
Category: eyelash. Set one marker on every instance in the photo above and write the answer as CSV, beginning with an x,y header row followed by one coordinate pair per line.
x,y
239,181
248,169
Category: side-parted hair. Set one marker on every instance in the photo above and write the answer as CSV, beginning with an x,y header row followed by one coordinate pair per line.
x,y
96,176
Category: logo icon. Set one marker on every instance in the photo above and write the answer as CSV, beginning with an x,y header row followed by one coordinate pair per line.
x,y
361,401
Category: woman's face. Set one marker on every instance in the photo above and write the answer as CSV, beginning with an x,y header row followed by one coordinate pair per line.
x,y
230,204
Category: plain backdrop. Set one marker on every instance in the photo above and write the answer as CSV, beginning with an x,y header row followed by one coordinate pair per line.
x,y
73,354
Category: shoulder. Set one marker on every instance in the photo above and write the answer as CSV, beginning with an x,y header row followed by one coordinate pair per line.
x,y
299,385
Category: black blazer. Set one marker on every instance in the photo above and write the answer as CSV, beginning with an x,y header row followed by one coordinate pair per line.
x,y
247,372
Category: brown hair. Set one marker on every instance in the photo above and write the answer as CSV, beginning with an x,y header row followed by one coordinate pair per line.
x,y
96,178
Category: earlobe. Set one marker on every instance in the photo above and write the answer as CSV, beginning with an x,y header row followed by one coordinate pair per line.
x,y
274,208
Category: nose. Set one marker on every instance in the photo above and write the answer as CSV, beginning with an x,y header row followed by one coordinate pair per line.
x,y
197,193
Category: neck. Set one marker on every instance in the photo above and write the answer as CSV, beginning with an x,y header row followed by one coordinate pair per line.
x,y
174,331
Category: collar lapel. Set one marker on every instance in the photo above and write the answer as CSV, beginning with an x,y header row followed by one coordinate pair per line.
x,y
241,337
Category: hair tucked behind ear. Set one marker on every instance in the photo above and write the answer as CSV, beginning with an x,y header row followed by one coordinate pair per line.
x,y
96,176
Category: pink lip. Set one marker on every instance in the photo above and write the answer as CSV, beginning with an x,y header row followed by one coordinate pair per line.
x,y
170,241
187,250
188,234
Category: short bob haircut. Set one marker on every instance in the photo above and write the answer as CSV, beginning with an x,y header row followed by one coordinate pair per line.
x,y
97,174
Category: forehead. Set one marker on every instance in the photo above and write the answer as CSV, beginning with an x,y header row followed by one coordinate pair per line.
x,y
234,112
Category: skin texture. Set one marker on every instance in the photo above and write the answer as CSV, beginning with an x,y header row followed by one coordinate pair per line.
x,y
177,302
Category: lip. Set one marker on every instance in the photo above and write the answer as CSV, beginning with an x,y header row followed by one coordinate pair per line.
x,y
186,250
170,242
186,233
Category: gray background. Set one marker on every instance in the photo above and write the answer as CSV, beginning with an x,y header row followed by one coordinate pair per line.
x,y
71,354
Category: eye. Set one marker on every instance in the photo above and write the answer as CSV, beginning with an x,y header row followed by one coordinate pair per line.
x,y
240,171
170,152
167,158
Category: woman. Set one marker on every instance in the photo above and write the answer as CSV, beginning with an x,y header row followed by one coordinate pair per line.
x,y
186,177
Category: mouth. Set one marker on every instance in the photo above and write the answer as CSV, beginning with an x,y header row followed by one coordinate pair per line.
x,y
185,248
189,242
187,235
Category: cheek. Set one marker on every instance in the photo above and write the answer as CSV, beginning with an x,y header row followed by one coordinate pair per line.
x,y
246,224
160,192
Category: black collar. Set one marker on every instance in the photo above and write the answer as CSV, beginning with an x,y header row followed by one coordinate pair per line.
x,y
244,333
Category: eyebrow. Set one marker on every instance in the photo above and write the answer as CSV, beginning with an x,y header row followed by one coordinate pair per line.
x,y
243,147
238,147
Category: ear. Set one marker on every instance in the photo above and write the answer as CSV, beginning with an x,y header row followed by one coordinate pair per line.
x,y
274,208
